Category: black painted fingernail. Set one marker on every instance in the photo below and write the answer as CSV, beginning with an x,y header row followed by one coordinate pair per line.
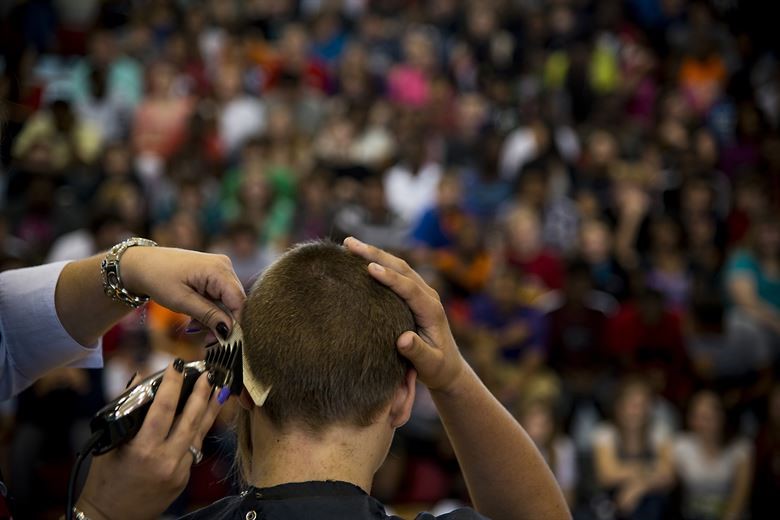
x,y
131,380
222,330
178,365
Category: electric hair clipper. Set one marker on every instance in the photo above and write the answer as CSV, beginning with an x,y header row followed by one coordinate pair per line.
x,y
120,420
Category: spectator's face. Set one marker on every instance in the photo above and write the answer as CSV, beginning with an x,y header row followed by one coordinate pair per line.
x,y
701,232
244,243
161,79
539,425
595,242
468,236
503,290
524,232
602,148
471,112
102,48
697,198
280,123
418,50
481,22
706,147
450,193
769,239
374,196
185,232
533,188
294,46
228,83
665,234
706,416
633,409
750,198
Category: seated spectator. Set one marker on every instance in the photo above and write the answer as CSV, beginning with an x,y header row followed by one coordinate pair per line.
x,y
437,226
667,265
256,200
408,83
575,343
56,139
104,230
465,266
109,116
247,254
713,467
509,341
485,192
753,281
294,60
410,185
240,116
161,119
595,247
526,251
370,219
538,419
314,211
727,351
124,75
632,460
646,338
558,214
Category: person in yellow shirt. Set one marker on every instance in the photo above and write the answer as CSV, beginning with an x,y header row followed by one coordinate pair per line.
x,y
54,139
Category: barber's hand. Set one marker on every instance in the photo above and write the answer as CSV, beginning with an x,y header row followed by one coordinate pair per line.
x,y
140,479
186,281
432,350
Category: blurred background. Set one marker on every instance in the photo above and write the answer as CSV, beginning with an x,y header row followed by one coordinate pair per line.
x,y
592,186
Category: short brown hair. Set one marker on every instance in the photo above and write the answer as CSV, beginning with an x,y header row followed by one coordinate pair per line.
x,y
321,332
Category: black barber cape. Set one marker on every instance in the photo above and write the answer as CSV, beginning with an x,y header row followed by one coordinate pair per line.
x,y
307,501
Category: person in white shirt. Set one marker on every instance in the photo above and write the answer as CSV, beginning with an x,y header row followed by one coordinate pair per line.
x,y
714,470
412,184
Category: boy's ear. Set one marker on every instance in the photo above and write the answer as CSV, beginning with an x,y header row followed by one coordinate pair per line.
x,y
403,399
245,401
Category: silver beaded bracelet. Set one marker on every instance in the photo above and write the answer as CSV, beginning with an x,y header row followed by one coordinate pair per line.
x,y
112,279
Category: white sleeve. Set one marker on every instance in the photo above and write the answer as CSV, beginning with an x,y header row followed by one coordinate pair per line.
x,y
32,339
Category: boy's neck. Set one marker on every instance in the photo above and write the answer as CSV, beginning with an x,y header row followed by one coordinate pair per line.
x,y
343,453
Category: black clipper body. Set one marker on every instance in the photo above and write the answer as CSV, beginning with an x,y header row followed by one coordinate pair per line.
x,y
120,420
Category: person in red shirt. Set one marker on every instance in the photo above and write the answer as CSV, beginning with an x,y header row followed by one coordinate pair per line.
x,y
646,338
526,251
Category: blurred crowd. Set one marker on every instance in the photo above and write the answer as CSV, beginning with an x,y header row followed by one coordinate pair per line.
x,y
591,186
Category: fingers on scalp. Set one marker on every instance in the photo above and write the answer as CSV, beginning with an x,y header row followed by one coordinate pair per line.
x,y
402,285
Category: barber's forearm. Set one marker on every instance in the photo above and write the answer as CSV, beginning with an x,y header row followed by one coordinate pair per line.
x,y
505,473
83,308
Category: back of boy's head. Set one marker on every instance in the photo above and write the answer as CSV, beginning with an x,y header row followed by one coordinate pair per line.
x,y
321,332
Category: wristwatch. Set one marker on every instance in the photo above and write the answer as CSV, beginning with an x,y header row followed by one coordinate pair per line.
x,y
112,279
